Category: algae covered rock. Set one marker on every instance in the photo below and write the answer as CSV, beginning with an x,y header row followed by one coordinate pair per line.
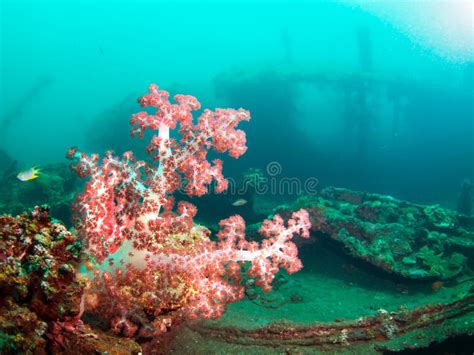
x,y
38,281
403,238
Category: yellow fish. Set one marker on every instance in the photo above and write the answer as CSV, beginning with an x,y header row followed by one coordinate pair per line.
x,y
28,175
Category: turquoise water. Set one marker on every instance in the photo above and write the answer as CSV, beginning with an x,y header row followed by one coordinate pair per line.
x,y
81,58
71,71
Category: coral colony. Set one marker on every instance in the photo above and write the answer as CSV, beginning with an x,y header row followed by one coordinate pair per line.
x,y
174,269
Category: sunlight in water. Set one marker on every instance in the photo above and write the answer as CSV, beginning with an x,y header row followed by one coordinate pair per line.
x,y
446,27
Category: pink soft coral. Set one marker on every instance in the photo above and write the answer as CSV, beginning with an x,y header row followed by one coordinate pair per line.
x,y
183,273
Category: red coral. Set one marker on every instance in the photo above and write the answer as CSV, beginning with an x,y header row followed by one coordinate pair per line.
x,y
182,272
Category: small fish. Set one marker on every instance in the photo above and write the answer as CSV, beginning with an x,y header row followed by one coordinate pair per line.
x,y
28,175
239,202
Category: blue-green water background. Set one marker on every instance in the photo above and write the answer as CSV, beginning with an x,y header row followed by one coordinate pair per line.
x,y
71,72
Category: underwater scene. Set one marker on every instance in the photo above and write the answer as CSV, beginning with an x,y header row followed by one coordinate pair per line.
x,y
236,177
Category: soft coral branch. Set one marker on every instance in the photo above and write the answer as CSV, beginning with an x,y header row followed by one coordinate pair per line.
x,y
182,270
